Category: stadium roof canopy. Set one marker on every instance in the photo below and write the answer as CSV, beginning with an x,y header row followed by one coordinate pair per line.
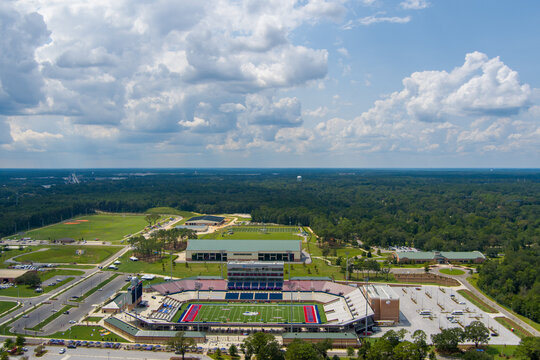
x,y
243,245
207,218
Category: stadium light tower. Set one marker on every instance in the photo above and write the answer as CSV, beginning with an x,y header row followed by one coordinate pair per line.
x,y
198,286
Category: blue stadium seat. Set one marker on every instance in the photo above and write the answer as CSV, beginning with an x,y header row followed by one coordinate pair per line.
x,y
279,285
261,296
231,296
246,296
271,286
276,296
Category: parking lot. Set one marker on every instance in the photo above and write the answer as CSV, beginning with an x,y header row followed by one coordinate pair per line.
x,y
430,308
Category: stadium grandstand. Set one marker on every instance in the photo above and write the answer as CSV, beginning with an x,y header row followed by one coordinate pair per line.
x,y
297,305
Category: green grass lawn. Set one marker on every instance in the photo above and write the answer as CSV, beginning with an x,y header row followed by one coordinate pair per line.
x,y
452,271
26,291
105,227
256,233
93,319
92,333
67,254
8,254
6,306
266,313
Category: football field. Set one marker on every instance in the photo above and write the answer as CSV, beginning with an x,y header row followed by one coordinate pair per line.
x,y
251,313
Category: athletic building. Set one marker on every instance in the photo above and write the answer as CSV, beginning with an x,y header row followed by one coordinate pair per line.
x,y
384,301
208,220
244,250
254,271
440,257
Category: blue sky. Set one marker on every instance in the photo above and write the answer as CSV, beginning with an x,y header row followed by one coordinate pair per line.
x,y
311,83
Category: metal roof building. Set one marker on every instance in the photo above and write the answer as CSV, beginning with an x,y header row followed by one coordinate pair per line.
x,y
439,256
243,250
209,220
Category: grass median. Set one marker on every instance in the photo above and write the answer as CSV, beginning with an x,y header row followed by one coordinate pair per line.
x,y
513,326
55,315
477,301
98,286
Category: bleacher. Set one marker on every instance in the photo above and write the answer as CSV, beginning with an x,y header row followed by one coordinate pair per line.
x,y
166,311
255,285
232,296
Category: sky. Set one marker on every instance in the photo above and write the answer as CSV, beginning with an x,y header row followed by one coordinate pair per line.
x,y
309,83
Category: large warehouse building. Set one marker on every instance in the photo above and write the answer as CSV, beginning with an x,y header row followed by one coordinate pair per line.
x,y
440,257
244,250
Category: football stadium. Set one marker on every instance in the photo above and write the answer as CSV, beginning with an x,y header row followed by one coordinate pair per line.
x,y
254,297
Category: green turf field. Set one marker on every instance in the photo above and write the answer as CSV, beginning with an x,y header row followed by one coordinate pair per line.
x,y
105,227
234,313
67,254
256,233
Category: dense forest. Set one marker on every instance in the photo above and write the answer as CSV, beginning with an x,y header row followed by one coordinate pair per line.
x,y
495,211
444,210
515,281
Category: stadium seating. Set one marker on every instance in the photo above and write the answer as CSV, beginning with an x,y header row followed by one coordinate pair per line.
x,y
261,296
166,311
246,296
232,296
276,296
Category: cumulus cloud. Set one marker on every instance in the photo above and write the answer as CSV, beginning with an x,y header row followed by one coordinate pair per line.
x,y
20,80
467,109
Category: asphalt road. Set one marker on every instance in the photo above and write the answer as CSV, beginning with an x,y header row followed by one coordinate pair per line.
x,y
49,305
86,307
83,353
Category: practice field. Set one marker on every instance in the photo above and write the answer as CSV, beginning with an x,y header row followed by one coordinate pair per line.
x,y
104,227
68,254
256,233
251,313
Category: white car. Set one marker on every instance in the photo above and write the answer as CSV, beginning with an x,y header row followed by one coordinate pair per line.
x,y
62,350
72,321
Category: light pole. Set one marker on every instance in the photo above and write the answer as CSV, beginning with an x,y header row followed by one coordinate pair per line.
x,y
198,286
